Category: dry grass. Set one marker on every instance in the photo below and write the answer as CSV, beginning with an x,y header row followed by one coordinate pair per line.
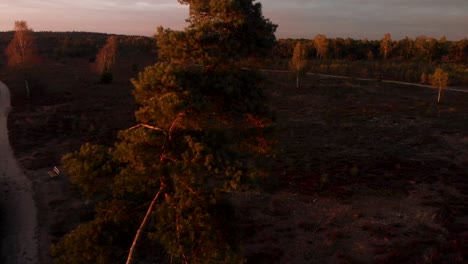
x,y
68,108
365,172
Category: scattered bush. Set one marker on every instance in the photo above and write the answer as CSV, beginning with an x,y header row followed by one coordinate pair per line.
x,y
106,77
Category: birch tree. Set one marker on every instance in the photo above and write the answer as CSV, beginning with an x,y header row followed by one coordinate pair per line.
x,y
20,51
321,45
21,48
439,80
299,60
106,58
386,45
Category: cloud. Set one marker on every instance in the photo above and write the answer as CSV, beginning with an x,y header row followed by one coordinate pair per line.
x,y
368,18
112,16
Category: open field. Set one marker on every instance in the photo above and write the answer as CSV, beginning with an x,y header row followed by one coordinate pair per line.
x,y
365,171
68,108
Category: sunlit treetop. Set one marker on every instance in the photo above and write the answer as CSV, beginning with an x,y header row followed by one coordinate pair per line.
x,y
219,32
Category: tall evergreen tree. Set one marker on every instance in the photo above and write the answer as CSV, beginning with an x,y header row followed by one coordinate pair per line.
x,y
202,133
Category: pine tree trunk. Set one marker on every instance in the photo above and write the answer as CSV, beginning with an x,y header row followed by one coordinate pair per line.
x,y
142,226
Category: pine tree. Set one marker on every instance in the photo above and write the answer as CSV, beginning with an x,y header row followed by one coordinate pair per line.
x,y
202,133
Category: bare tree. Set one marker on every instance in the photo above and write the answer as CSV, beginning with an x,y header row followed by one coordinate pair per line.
x,y
321,44
20,51
386,45
299,61
439,80
21,48
107,55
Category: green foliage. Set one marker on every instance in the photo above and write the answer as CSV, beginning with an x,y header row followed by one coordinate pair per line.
x,y
89,168
102,240
203,133
220,31
83,245
401,60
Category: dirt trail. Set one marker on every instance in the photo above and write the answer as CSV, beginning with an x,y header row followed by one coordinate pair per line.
x,y
18,221
450,88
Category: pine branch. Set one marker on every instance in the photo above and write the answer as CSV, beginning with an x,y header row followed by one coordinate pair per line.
x,y
173,124
178,241
189,188
163,155
149,127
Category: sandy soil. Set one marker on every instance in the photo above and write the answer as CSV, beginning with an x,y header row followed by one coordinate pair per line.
x,y
18,210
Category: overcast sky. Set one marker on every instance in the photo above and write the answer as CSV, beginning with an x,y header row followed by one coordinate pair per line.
x,y
296,18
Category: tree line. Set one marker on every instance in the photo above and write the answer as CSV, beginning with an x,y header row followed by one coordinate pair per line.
x,y
421,48
59,45
408,60
24,48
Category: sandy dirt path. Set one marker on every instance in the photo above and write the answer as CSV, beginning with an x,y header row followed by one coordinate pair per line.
x,y
18,210
450,88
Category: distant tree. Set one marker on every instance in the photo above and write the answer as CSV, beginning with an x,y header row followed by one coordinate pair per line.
x,y
20,51
405,48
106,58
299,60
443,47
427,47
321,45
284,48
351,47
439,80
423,78
459,51
386,45
337,45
